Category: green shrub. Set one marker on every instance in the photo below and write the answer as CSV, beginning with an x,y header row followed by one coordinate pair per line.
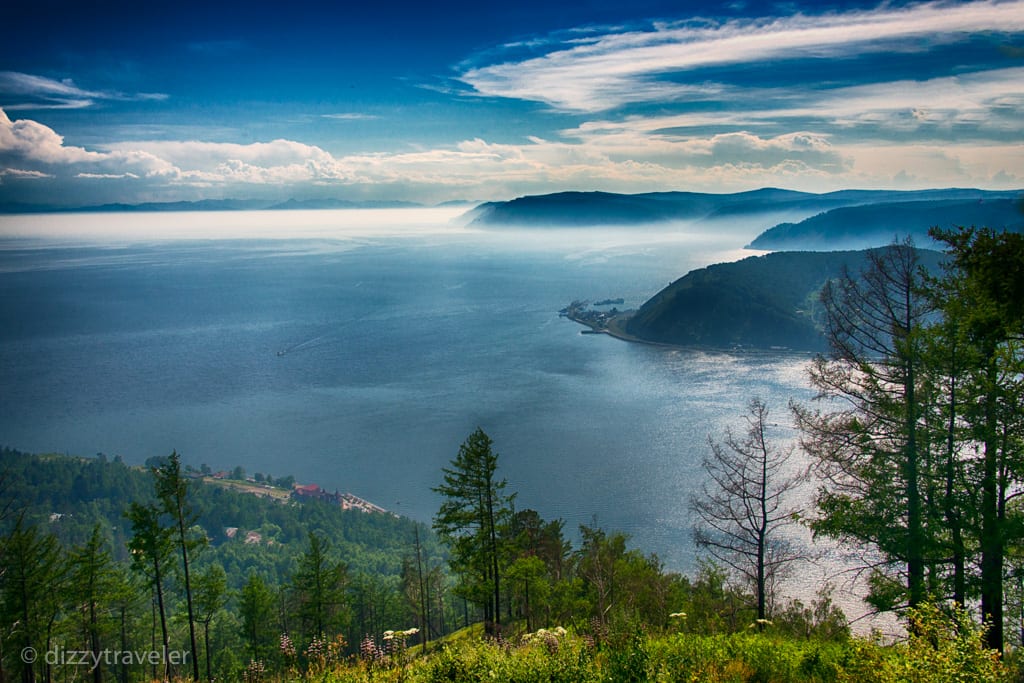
x,y
944,648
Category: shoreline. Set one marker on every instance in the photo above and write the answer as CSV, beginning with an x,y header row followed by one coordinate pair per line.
x,y
614,327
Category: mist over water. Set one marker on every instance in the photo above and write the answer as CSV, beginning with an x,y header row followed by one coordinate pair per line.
x,y
360,354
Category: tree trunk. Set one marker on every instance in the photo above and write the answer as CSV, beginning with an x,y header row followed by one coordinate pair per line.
x,y
991,531
163,617
188,594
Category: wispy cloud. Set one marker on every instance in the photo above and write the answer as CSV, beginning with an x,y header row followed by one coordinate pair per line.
x,y
981,104
21,91
350,116
23,174
618,68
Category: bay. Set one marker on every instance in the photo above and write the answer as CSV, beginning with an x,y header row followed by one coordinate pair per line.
x,y
356,350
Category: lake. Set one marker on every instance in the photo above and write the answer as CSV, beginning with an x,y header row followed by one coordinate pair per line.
x,y
358,349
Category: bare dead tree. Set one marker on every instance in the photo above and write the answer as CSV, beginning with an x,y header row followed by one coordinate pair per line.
x,y
743,506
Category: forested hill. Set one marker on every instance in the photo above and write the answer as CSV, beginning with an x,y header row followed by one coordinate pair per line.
x,y
760,302
586,209
583,209
858,227
70,496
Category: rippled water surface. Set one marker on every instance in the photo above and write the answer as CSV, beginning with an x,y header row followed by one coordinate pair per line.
x,y
359,352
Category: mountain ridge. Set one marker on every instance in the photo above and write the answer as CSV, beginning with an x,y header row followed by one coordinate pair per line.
x,y
865,225
586,209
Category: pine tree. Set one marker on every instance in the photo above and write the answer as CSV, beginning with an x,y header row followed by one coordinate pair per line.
x,y
33,575
870,450
172,489
986,275
319,586
475,506
211,596
92,585
150,547
256,607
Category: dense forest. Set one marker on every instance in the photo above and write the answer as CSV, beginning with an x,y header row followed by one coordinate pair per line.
x,y
761,302
915,444
92,564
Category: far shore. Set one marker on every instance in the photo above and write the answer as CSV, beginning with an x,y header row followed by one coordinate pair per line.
x,y
616,327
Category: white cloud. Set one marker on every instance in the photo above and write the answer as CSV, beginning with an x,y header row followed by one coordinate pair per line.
x,y
106,176
614,69
350,116
23,174
20,91
977,104
634,155
29,143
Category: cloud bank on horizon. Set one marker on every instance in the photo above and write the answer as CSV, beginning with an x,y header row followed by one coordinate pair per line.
x,y
915,95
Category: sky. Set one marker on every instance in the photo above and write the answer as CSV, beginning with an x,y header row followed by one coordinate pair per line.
x,y
433,102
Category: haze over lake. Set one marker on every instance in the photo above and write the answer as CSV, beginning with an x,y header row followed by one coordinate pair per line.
x,y
358,349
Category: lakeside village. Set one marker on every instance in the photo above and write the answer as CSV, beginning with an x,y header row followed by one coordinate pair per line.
x,y
298,493
584,313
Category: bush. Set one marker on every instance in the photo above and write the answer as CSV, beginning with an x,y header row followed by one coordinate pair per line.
x,y
945,648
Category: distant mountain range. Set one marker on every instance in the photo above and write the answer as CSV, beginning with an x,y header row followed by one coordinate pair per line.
x,y
586,209
875,224
762,302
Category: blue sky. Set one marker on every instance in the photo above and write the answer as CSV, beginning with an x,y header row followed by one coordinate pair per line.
x,y
430,102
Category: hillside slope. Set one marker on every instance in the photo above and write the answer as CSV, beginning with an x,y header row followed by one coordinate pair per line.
x,y
760,302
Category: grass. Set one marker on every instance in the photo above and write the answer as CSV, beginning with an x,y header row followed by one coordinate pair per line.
x,y
948,649
263,490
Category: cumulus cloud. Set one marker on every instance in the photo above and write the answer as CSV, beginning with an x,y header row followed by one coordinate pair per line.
x,y
26,143
20,91
617,68
628,156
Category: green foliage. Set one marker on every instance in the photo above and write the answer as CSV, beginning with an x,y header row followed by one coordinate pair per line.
x,y
946,646
474,506
256,609
69,496
319,586
946,649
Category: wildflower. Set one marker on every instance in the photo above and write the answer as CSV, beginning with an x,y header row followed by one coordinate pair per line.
x,y
254,671
287,647
369,651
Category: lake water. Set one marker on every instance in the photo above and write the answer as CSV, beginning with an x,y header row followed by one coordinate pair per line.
x,y
401,331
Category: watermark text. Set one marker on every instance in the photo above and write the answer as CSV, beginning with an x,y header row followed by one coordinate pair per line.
x,y
93,658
